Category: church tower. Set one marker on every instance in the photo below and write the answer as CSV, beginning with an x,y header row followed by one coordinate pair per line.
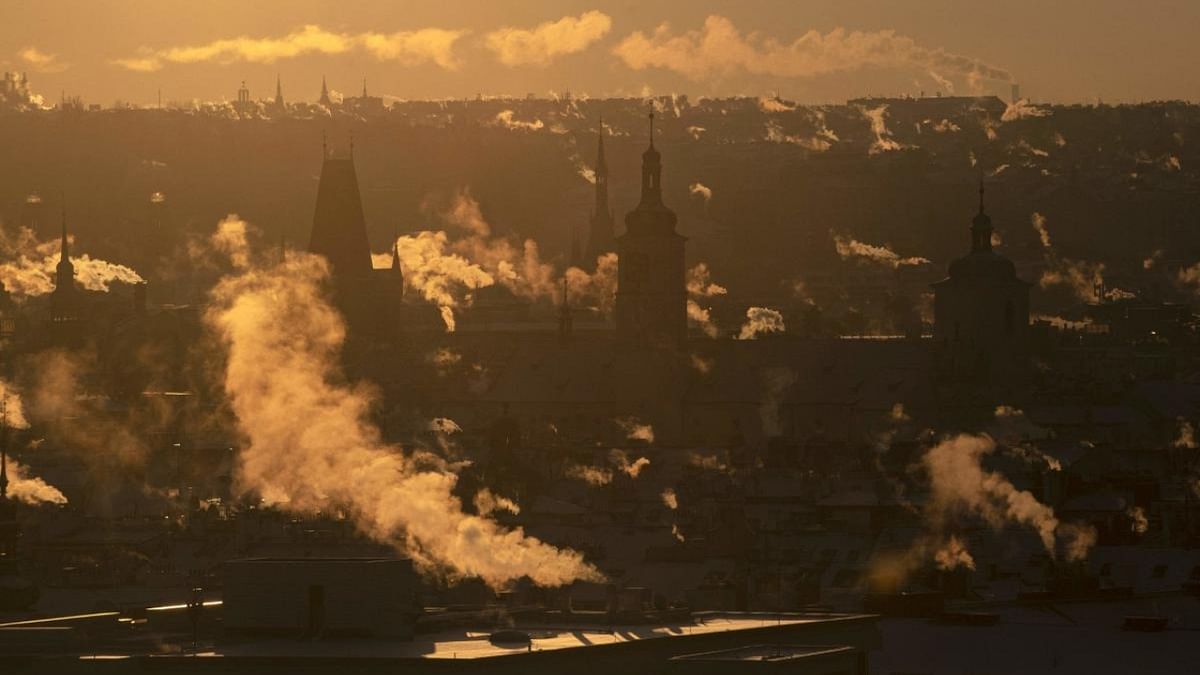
x,y
62,300
279,104
339,231
981,317
651,299
325,100
600,232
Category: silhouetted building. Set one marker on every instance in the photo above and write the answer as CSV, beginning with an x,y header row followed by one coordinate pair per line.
x,y
368,297
324,99
600,232
64,301
981,315
244,105
364,104
651,301
278,105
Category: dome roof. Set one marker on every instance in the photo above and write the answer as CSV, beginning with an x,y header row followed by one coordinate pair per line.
x,y
984,265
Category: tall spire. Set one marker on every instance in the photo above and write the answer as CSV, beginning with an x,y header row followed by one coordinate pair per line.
x,y
278,91
981,226
324,100
364,88
600,234
64,249
651,174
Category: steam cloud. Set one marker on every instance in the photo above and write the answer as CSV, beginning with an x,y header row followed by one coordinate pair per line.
x,y
30,264
719,49
960,485
759,321
427,45
699,287
543,43
853,248
1081,276
309,447
22,486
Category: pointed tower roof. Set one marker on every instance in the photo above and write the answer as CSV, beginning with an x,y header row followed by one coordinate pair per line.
x,y
324,100
651,215
339,229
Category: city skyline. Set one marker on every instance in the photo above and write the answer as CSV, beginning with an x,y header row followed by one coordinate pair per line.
x,y
810,53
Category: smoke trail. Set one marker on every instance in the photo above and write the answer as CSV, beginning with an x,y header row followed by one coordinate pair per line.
x,y
635,430
883,138
853,248
22,486
29,266
487,502
506,119
309,447
719,49
669,499
620,459
700,190
760,321
700,286
960,485
1081,276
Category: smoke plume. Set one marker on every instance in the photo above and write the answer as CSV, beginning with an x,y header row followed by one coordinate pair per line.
x,y
760,321
961,486
309,446
852,248
30,266
427,45
719,49
540,45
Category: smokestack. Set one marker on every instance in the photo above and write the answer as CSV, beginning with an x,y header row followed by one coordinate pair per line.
x,y
1016,92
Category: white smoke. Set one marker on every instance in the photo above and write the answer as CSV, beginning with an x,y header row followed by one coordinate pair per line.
x,y
309,447
853,248
507,119
760,321
636,430
22,486
883,138
29,266
669,499
700,190
961,486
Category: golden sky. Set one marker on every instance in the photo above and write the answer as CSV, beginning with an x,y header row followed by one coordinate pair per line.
x,y
810,50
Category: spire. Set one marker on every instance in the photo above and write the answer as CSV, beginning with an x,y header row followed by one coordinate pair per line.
x,y
278,91
565,320
651,173
64,249
601,162
364,88
324,100
981,226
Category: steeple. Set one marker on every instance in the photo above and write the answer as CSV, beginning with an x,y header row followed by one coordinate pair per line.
x,y
66,271
565,319
364,95
278,92
600,234
324,100
651,172
651,214
981,226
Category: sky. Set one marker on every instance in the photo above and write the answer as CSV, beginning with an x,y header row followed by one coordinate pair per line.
x,y
813,51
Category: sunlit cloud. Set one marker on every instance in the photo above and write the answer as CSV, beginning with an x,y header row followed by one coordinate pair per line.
x,y
410,48
42,62
540,45
719,48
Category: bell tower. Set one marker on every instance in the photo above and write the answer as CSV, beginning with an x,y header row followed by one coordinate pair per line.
x,y
651,297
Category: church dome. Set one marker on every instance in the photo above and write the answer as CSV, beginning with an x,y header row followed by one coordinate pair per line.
x,y
984,265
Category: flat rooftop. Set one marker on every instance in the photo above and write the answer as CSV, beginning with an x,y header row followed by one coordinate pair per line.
x,y
767,653
475,644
